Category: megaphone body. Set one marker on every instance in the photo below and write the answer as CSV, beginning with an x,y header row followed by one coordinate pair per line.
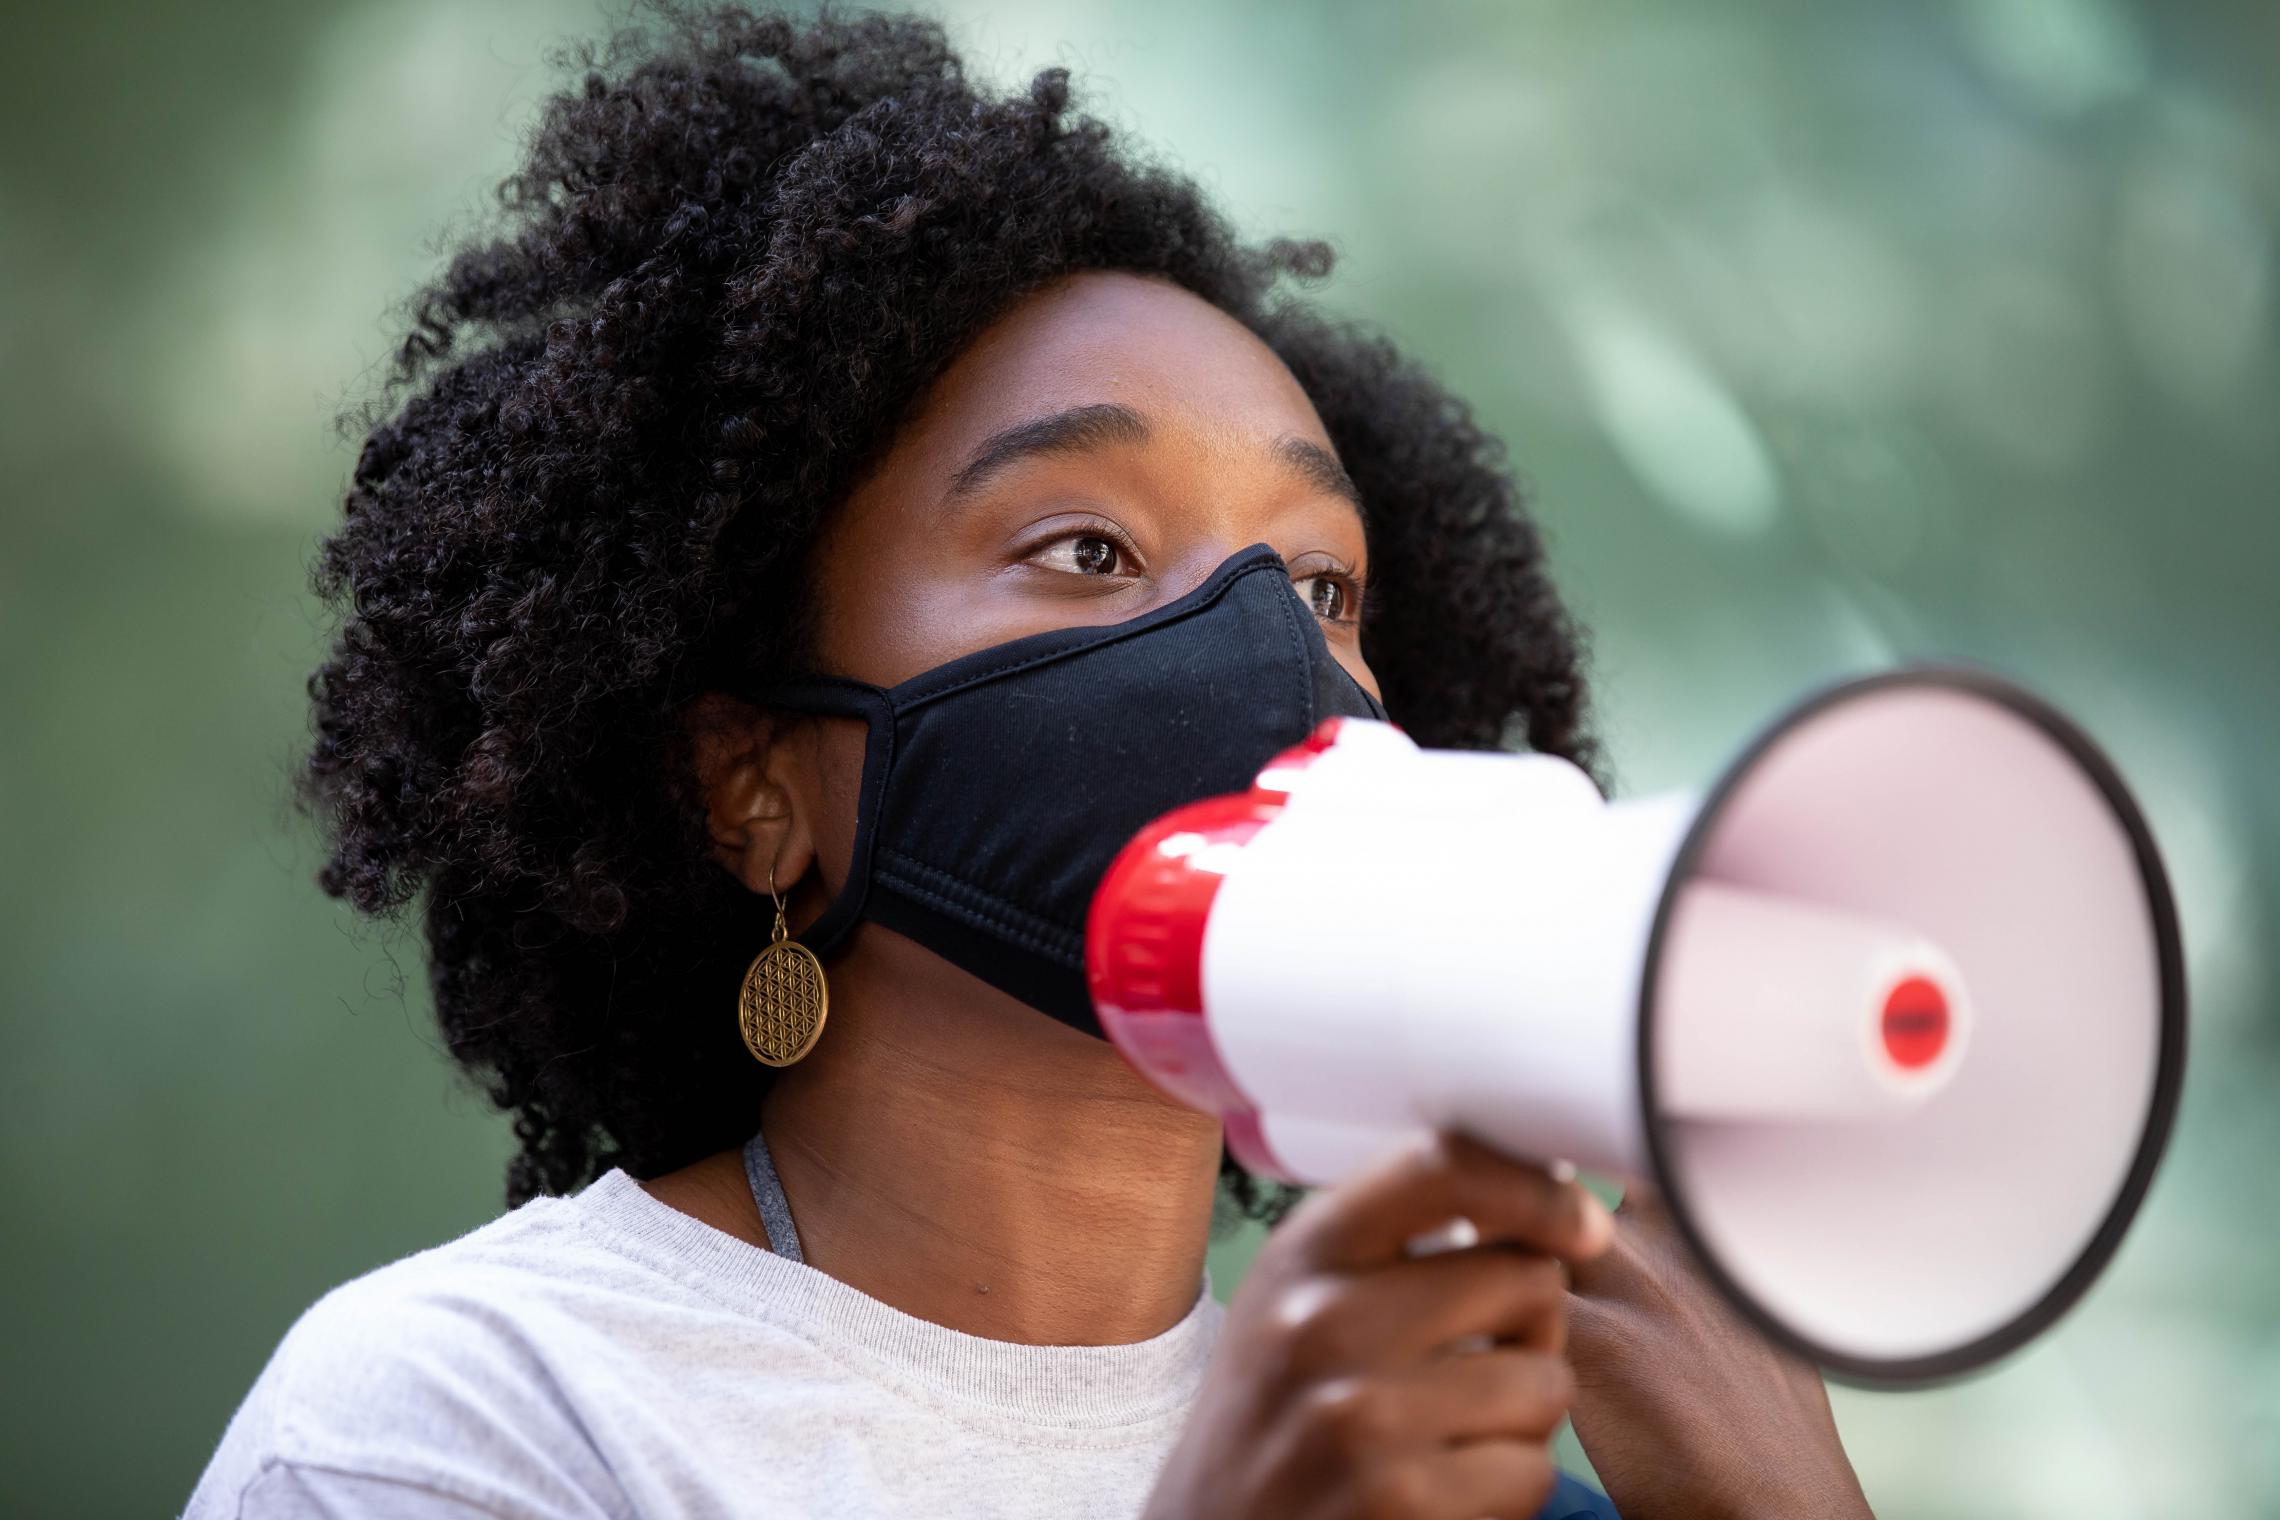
x,y
1892,1014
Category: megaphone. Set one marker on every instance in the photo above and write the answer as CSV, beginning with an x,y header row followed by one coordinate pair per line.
x,y
1893,1014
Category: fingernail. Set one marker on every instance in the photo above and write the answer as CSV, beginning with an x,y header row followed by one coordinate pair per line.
x,y
1598,1231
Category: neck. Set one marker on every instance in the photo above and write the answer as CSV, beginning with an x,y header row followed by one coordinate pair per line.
x,y
972,1162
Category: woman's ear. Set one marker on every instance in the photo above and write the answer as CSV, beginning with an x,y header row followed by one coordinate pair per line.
x,y
754,776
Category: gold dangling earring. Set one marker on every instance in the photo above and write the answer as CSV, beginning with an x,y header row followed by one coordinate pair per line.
x,y
782,1004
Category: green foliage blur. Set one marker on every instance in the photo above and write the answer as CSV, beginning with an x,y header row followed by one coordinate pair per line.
x,y
1827,335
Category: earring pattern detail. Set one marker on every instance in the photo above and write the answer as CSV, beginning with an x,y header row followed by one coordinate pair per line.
x,y
783,1002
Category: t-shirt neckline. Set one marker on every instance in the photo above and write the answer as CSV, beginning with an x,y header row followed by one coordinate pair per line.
x,y
1072,1387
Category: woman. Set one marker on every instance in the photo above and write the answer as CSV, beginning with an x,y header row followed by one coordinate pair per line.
x,y
809,386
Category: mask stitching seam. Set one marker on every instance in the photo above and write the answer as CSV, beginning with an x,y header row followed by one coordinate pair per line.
x,y
895,869
1109,633
1301,652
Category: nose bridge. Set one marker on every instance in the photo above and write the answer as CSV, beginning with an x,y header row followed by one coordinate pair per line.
x,y
1230,489
1217,529
1312,656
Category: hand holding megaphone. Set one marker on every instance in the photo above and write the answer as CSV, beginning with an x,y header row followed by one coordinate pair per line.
x,y
1334,1390
1893,1015
1682,1405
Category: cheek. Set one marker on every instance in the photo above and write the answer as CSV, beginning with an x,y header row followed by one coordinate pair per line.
x,y
887,604
894,601
1349,657
919,621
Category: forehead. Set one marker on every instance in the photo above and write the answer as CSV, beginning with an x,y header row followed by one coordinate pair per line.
x,y
1111,337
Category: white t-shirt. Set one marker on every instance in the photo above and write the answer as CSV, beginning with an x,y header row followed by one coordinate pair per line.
x,y
605,1354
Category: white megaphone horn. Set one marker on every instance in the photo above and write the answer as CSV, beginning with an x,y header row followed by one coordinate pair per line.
x,y
1893,1015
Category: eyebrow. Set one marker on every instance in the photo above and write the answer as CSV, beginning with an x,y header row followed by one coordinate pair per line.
x,y
1322,469
1080,428
1067,432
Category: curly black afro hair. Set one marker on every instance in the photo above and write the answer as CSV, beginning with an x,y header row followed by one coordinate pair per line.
x,y
732,258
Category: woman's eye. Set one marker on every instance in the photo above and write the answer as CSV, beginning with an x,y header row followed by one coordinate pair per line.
x,y
1330,597
1083,554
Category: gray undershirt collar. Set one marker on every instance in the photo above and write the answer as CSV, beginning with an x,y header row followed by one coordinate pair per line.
x,y
768,1193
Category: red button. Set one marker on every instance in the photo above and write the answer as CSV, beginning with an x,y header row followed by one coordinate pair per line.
x,y
1915,1023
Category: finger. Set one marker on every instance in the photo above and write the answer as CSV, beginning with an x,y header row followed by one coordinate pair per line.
x,y
1487,1480
1369,1219
1482,1395
1406,1311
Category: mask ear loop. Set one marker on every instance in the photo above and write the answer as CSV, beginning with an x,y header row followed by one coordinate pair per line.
x,y
839,697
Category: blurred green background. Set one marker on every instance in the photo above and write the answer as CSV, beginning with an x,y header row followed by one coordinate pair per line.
x,y
1827,334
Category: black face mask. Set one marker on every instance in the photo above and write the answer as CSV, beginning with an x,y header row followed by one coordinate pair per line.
x,y
998,788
